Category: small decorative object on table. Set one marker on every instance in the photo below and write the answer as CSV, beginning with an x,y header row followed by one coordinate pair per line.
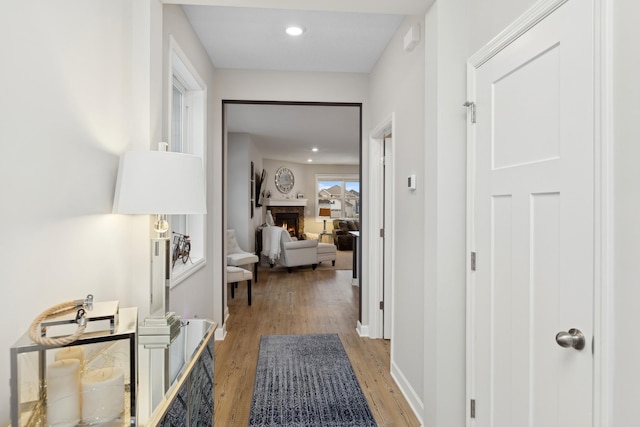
x,y
84,378
181,248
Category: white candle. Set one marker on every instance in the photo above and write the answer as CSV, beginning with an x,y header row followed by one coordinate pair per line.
x,y
71,353
63,393
102,395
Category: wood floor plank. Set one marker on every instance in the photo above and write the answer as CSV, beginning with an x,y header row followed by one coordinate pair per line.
x,y
305,301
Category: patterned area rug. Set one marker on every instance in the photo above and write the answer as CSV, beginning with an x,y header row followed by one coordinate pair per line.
x,y
306,380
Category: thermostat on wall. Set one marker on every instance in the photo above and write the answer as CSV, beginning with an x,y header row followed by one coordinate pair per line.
x,y
411,182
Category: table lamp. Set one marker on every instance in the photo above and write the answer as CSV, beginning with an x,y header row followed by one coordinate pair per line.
x,y
160,183
325,212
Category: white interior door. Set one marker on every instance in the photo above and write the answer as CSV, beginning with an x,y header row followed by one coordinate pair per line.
x,y
386,245
380,249
532,226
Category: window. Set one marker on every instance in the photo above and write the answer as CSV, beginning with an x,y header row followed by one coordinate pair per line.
x,y
339,193
179,115
187,100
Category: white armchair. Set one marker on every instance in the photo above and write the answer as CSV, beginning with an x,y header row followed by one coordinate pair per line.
x,y
279,247
237,257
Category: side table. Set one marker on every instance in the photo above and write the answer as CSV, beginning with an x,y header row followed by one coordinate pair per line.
x,y
327,234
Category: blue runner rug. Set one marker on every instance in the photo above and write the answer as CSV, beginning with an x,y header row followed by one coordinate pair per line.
x,y
306,380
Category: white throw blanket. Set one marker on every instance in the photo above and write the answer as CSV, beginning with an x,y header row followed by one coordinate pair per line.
x,y
271,242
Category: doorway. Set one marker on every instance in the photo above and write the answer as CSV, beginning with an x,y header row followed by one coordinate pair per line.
x,y
307,138
381,194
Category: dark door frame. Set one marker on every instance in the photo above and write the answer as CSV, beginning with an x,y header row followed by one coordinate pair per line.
x,y
223,242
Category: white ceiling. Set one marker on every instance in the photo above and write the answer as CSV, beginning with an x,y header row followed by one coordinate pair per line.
x,y
396,7
341,36
289,132
255,39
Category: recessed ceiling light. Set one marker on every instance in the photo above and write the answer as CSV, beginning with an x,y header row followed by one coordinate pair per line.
x,y
314,149
309,160
295,30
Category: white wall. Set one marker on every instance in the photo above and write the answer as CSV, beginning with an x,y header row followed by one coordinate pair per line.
x,y
69,110
238,191
487,18
627,205
241,152
397,86
300,184
445,215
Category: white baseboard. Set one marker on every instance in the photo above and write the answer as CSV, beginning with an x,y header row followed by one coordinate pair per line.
x,y
221,333
363,330
408,392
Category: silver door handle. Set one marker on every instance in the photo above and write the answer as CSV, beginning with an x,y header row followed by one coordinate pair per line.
x,y
574,338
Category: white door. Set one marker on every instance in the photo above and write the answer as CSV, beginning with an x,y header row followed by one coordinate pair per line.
x,y
532,226
386,245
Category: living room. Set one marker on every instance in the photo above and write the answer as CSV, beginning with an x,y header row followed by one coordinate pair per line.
x,y
317,145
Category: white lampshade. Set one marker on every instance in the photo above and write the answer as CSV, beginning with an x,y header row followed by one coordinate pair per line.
x,y
159,182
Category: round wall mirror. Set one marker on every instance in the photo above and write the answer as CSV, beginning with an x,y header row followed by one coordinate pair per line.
x,y
284,180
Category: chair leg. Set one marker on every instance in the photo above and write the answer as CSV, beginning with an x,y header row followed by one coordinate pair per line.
x,y
249,291
233,290
313,266
289,269
255,271
333,262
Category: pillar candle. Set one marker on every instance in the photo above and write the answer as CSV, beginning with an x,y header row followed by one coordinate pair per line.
x,y
102,395
63,393
71,353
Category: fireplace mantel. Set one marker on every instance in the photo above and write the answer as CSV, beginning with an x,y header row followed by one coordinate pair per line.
x,y
286,202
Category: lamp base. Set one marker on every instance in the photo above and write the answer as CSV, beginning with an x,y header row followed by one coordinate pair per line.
x,y
161,225
159,332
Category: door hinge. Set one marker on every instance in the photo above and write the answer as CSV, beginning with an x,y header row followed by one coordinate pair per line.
x,y
472,109
473,261
381,305
382,232
472,411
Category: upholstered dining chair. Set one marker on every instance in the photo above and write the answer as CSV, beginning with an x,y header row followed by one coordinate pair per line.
x,y
237,257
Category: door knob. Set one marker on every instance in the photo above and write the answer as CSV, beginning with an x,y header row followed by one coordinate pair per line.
x,y
574,338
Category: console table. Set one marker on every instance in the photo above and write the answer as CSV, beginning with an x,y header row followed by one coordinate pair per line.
x,y
189,401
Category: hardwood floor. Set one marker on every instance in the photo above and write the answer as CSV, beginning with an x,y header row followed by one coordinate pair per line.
x,y
303,302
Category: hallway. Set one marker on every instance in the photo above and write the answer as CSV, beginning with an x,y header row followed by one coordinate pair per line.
x,y
303,302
